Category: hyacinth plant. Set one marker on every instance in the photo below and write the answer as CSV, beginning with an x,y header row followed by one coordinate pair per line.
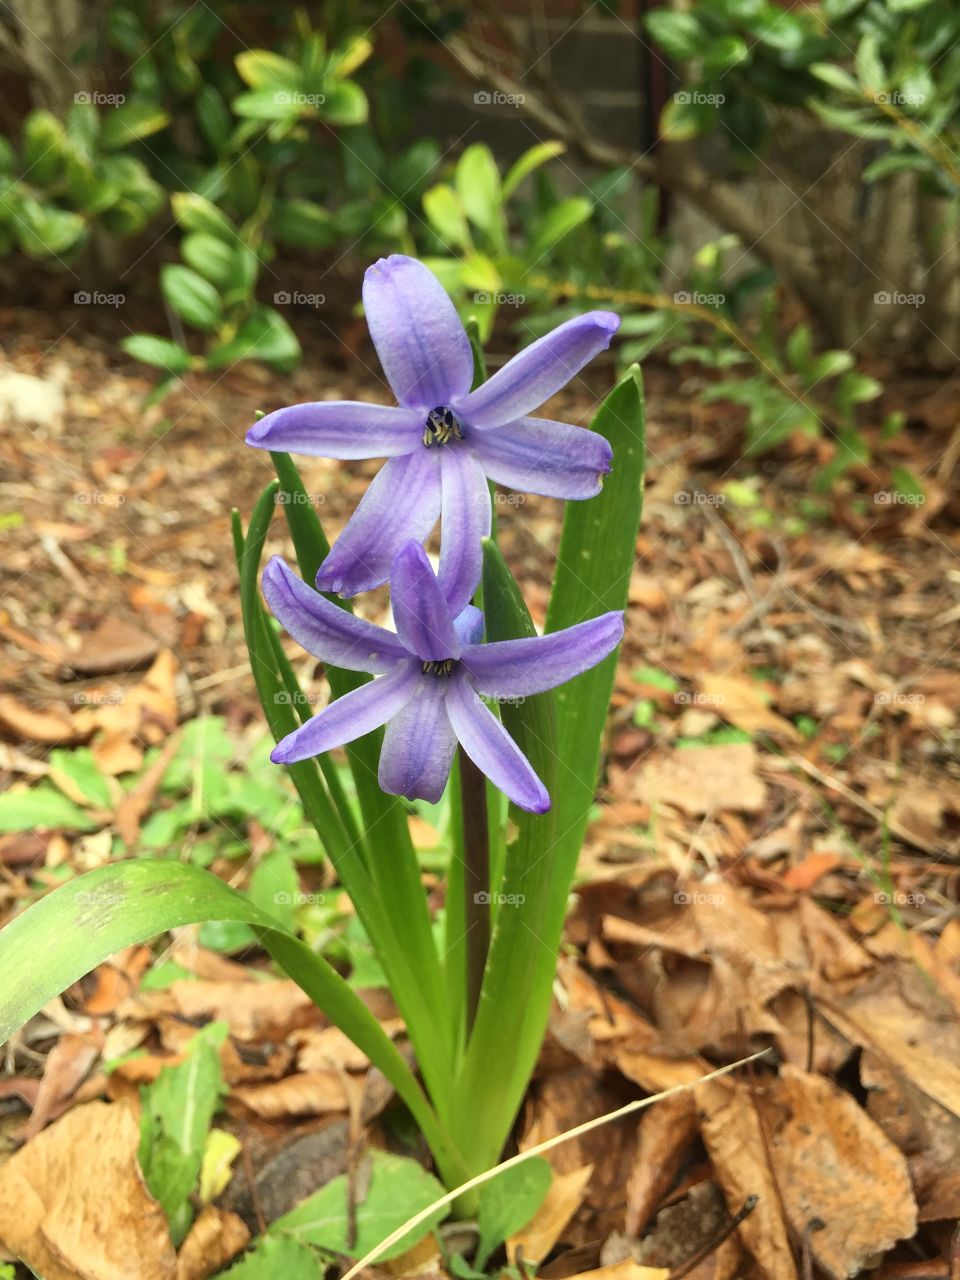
x,y
462,695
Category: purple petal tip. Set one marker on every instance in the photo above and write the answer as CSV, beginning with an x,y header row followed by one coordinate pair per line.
x,y
608,320
383,266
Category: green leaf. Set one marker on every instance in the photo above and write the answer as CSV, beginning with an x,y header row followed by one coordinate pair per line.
x,y
446,216
194,299
511,1016
895,162
869,68
262,69
724,53
266,104
274,886
162,353
42,808
829,364
529,162
264,335
43,147
345,60
596,555
799,347
44,231
197,213
907,483
477,181
393,876
211,257
79,925
303,224
279,1256
346,103
398,1189
508,1202
679,34
177,1110
559,221
82,770
835,76
860,121
213,117
858,388
131,121
684,117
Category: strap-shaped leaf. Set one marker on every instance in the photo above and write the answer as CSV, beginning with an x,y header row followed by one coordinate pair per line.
x,y
73,929
387,888
513,1009
596,556
594,563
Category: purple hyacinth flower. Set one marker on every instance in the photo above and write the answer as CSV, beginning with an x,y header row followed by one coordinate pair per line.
x,y
431,677
443,442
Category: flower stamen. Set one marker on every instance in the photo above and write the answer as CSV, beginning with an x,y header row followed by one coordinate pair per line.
x,y
442,426
439,667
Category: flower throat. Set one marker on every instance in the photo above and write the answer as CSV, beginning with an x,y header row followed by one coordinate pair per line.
x,y
442,426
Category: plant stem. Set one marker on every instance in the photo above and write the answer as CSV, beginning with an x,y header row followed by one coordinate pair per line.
x,y
476,877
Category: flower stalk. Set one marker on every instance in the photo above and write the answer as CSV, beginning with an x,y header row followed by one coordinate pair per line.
x,y
476,878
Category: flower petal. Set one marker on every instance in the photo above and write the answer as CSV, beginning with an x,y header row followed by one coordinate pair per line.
x,y
326,630
422,618
464,520
418,746
538,371
492,750
403,502
358,712
536,455
339,429
517,668
469,625
421,342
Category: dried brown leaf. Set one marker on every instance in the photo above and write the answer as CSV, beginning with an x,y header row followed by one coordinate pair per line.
x,y
74,1206
731,1133
215,1239
833,1162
